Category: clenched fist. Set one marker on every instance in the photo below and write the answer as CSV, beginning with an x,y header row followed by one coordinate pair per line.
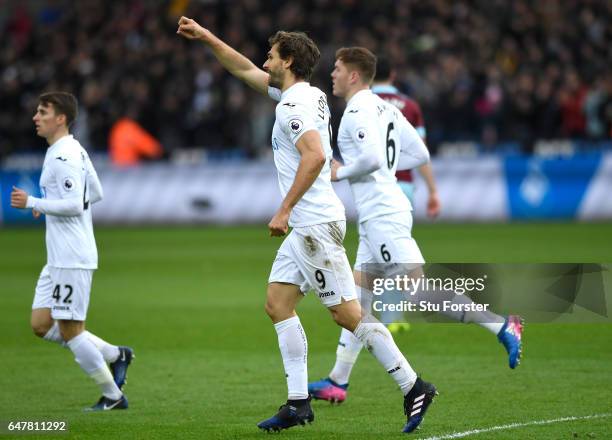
x,y
190,29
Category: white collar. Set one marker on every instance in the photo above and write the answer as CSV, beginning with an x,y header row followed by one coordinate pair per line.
x,y
61,140
294,87
363,92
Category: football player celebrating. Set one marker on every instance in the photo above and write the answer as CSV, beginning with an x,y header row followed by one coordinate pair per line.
x,y
312,255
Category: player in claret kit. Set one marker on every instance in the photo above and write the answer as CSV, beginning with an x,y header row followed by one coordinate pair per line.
x,y
375,140
382,86
312,255
69,185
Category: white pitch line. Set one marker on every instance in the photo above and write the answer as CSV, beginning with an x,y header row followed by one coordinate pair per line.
x,y
514,425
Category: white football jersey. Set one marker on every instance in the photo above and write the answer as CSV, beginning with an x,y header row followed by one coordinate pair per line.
x,y
303,108
371,125
65,175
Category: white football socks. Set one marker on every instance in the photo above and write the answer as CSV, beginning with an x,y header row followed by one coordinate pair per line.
x,y
109,352
346,356
378,340
54,335
92,363
493,327
294,351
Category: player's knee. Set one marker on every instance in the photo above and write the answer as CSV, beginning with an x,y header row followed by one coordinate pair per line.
x,y
68,334
277,311
269,308
273,310
40,329
342,321
281,300
70,329
347,314
345,320
41,322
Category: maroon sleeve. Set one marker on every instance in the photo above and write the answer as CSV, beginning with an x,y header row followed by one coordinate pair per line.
x,y
412,112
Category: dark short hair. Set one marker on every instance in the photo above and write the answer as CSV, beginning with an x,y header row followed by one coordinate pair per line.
x,y
361,59
63,103
383,68
300,48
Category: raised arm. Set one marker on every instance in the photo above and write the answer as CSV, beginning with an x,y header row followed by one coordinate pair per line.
x,y
236,63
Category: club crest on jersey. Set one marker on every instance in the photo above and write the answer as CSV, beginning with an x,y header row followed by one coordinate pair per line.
x,y
296,125
68,184
360,135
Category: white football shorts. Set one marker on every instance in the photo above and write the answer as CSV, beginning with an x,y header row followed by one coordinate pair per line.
x,y
312,257
64,291
388,240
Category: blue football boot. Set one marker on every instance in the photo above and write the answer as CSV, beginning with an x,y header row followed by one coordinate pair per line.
x,y
292,413
120,366
510,336
106,404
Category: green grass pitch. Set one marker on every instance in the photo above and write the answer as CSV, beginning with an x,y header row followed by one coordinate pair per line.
x,y
190,302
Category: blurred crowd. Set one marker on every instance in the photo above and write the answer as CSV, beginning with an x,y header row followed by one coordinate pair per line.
x,y
487,71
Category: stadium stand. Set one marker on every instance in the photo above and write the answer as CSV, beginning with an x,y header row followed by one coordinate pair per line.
x,y
487,71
